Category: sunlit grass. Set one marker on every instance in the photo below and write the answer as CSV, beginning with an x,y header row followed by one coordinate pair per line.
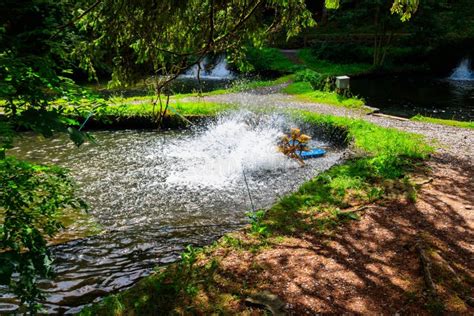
x,y
188,107
421,118
373,139
304,92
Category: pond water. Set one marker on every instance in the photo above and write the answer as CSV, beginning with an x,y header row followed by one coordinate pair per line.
x,y
154,192
409,96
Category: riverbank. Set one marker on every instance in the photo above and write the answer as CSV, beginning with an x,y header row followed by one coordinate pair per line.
x,y
317,251
451,140
367,261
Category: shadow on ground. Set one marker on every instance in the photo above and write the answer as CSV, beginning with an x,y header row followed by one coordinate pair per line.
x,y
373,265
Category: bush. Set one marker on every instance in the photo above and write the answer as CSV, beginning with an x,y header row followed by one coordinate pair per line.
x,y
318,81
32,201
264,60
343,52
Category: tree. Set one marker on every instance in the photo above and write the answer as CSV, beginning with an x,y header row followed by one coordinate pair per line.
x,y
34,69
163,38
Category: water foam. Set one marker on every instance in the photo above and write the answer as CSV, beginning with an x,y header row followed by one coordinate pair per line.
x,y
234,144
219,71
463,71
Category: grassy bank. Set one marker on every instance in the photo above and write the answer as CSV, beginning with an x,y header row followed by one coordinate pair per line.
x,y
421,118
303,91
201,284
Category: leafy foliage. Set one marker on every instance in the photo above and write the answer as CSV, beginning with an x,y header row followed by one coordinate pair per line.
x,y
32,200
317,80
266,60
257,225
35,68
167,37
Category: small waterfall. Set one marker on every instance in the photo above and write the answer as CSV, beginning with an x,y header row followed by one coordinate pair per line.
x,y
219,71
463,71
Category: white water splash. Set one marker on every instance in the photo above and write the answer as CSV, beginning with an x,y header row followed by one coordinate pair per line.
x,y
233,145
463,71
219,71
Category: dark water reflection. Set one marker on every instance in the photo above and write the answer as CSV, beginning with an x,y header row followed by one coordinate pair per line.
x,y
153,193
408,96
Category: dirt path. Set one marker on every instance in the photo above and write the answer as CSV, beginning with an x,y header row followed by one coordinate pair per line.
x,y
457,142
372,266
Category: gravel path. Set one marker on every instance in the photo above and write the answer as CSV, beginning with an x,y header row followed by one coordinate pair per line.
x,y
455,141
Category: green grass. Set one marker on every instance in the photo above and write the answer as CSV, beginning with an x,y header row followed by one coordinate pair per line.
x,y
143,107
268,59
387,156
304,91
421,118
375,140
330,68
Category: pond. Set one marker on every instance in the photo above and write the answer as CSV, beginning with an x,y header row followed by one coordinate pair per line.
x,y
155,192
409,96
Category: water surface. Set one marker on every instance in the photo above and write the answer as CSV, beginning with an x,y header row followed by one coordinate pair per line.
x,y
409,96
156,192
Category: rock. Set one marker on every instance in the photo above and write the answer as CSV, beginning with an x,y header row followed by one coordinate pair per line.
x,y
268,301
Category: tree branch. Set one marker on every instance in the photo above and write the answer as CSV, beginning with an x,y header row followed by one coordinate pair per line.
x,y
80,16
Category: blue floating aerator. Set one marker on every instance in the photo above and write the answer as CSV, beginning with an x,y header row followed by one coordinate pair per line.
x,y
312,153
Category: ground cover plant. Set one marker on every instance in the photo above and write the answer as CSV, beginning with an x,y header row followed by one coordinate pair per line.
x,y
34,201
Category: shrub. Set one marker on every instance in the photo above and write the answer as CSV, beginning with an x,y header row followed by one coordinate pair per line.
x,y
343,52
269,60
318,81
32,201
